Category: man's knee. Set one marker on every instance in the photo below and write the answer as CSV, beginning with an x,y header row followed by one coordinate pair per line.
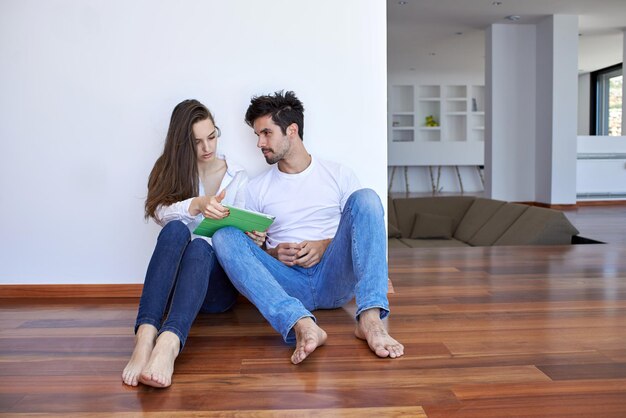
x,y
225,238
365,199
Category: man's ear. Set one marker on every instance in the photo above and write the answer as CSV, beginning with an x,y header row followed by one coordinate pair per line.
x,y
292,129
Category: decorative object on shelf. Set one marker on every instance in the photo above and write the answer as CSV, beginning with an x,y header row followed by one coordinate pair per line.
x,y
431,122
474,105
396,124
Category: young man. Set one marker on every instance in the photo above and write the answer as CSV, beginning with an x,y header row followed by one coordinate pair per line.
x,y
326,245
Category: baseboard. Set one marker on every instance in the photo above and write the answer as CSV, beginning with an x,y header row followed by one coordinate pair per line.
x,y
57,291
551,206
601,203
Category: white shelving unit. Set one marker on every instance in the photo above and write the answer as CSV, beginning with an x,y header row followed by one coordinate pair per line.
x,y
459,138
402,114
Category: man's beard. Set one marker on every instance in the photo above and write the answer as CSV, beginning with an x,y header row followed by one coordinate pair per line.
x,y
273,158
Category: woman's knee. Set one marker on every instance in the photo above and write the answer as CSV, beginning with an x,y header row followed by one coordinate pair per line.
x,y
200,248
175,230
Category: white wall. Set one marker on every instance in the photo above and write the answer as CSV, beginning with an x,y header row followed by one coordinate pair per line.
x,y
87,88
601,167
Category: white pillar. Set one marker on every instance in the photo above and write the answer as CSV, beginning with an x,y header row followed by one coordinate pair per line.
x,y
531,111
510,112
557,110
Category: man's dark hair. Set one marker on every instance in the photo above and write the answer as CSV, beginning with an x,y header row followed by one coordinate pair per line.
x,y
285,109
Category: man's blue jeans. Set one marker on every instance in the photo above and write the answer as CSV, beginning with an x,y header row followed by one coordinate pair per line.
x,y
354,264
185,276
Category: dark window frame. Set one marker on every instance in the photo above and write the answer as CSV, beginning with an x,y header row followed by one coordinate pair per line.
x,y
593,95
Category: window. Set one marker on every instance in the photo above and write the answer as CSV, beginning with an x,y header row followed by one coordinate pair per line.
x,y
606,94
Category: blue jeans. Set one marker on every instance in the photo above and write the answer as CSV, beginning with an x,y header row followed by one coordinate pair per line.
x,y
183,278
354,264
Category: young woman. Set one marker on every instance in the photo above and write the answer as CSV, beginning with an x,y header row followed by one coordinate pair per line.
x,y
189,181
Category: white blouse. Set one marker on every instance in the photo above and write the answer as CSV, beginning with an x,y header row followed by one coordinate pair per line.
x,y
234,182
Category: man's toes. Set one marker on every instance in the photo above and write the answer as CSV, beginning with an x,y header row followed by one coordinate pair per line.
x,y
381,351
298,355
396,350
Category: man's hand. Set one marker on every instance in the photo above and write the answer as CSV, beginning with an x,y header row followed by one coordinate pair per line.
x,y
311,252
286,252
257,237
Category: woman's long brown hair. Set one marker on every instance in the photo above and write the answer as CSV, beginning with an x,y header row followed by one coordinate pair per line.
x,y
174,176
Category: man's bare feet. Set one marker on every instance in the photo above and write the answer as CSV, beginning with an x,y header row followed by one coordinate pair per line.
x,y
144,342
370,328
158,372
308,337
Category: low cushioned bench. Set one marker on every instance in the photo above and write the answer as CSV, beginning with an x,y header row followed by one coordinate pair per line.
x,y
458,221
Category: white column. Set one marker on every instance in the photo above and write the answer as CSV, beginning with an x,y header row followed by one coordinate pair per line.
x,y
556,112
510,112
531,111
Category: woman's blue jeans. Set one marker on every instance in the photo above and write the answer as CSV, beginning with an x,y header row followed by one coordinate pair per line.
x,y
354,264
183,279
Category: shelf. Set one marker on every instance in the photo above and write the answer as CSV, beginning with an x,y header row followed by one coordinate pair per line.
x,y
457,108
430,91
402,99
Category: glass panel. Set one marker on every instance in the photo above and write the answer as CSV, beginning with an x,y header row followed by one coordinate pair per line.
x,y
615,106
609,103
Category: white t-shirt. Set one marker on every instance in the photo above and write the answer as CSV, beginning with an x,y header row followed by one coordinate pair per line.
x,y
307,205
234,181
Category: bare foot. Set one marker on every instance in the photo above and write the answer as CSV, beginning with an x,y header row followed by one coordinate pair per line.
x,y
308,337
158,372
370,328
144,342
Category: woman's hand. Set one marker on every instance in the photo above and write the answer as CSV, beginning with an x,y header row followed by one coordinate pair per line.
x,y
209,206
257,237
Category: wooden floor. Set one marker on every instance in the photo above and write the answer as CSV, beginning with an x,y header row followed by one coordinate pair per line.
x,y
489,332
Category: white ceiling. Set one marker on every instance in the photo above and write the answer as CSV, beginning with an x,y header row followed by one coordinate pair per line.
x,y
425,27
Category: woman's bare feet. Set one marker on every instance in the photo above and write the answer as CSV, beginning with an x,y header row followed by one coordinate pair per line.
x,y
144,342
370,328
158,372
308,337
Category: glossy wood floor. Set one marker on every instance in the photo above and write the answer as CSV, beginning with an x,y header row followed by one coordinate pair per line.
x,y
489,332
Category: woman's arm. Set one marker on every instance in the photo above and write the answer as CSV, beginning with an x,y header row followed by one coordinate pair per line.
x,y
208,206
187,210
